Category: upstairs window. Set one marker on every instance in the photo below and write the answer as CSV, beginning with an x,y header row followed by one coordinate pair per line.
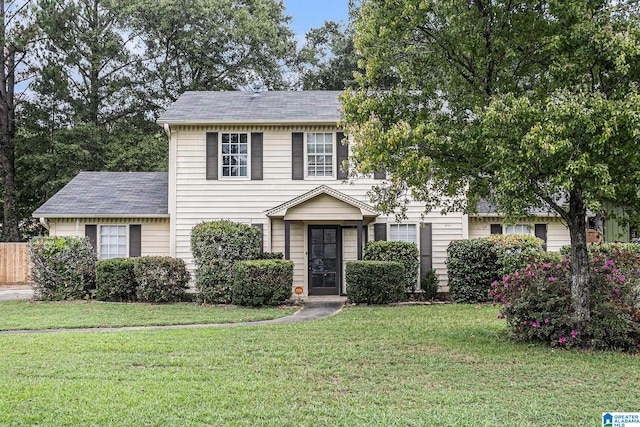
x,y
319,154
235,154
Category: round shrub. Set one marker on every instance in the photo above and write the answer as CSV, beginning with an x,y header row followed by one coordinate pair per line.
x,y
262,282
216,247
375,282
405,253
515,251
62,268
536,301
160,279
115,280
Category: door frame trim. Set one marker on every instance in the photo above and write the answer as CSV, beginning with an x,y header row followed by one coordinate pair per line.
x,y
339,248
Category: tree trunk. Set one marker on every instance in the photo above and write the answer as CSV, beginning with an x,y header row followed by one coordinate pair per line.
x,y
580,272
10,231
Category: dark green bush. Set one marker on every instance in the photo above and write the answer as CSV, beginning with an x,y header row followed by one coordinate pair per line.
x,y
472,267
405,253
62,268
160,279
271,255
115,280
262,282
429,284
515,251
216,247
375,282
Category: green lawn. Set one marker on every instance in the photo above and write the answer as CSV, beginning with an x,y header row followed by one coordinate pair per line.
x,y
47,315
383,366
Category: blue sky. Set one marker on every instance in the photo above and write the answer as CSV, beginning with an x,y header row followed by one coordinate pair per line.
x,y
307,14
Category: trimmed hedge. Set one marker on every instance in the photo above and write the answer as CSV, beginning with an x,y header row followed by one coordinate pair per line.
x,y
160,279
62,268
375,282
115,280
405,253
474,264
262,282
472,267
271,255
216,247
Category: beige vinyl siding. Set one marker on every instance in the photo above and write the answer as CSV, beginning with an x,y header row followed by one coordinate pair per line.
x,y
557,232
154,231
242,200
324,208
349,250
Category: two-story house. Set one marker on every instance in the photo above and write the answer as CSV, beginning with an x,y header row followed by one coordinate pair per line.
x,y
272,160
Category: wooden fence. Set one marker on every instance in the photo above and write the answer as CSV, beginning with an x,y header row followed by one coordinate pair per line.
x,y
14,263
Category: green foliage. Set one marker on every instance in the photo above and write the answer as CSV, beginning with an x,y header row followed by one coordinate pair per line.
x,y
115,280
216,247
471,266
375,282
262,282
160,279
205,45
271,255
429,284
328,59
525,104
405,253
515,251
536,302
62,268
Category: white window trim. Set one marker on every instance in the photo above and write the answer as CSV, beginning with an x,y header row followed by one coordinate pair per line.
x,y
415,228
99,239
529,228
221,155
334,156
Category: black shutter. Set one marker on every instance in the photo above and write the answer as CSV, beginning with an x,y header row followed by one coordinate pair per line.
x,y
496,228
212,155
256,156
380,175
261,228
91,231
342,151
425,249
297,155
135,240
541,233
379,232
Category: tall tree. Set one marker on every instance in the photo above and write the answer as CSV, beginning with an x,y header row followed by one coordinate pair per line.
x,y
15,35
328,60
528,104
212,45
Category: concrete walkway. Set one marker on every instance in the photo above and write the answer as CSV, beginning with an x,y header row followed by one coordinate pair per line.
x,y
312,309
15,292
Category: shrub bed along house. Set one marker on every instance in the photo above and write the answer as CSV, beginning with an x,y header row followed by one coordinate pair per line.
x,y
262,282
536,302
160,279
474,264
62,268
115,280
375,282
216,247
405,253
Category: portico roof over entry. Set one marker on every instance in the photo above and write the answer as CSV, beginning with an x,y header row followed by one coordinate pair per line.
x,y
323,203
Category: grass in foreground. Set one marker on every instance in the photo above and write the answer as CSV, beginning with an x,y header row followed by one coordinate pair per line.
x,y
77,314
371,366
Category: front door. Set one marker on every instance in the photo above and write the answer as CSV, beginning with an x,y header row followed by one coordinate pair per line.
x,y
325,247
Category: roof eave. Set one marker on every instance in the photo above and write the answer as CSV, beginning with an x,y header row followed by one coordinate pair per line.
x,y
248,122
105,216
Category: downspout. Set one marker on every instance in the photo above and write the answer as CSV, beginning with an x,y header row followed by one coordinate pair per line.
x,y
44,223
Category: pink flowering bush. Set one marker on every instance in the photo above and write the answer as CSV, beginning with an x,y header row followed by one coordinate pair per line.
x,y
536,302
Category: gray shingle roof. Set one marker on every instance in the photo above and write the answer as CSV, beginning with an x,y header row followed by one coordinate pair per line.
x,y
248,107
109,194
